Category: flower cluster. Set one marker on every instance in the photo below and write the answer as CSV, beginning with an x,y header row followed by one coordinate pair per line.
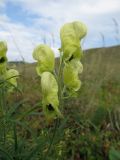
x,y
45,67
8,76
71,52
71,34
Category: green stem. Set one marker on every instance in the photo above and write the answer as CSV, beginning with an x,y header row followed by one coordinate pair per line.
x,y
3,106
15,139
52,140
60,83
60,94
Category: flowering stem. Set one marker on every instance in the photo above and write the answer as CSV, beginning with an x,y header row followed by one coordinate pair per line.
x,y
60,83
60,94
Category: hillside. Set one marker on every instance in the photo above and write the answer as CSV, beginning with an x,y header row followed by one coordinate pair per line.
x,y
101,66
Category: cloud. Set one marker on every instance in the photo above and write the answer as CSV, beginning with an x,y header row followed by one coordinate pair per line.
x,y
20,39
101,7
2,4
52,14
41,21
69,9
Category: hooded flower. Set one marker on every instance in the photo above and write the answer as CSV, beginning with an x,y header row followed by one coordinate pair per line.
x,y
11,78
45,57
3,58
71,34
50,95
71,75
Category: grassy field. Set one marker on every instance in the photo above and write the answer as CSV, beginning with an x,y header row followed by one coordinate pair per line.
x,y
100,79
90,129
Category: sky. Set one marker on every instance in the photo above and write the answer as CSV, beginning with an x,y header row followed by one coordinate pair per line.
x,y
24,24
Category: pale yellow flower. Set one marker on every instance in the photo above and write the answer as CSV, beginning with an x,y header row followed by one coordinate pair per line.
x,y
11,79
71,34
3,58
71,73
50,95
45,58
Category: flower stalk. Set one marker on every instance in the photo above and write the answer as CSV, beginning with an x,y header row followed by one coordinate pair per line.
x,y
66,81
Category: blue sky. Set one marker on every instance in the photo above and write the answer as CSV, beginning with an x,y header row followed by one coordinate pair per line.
x,y
27,23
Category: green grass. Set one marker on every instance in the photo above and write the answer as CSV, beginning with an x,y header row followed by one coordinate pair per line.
x,y
100,78
90,129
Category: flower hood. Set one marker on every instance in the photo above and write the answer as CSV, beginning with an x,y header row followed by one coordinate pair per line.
x,y
71,34
45,58
50,95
